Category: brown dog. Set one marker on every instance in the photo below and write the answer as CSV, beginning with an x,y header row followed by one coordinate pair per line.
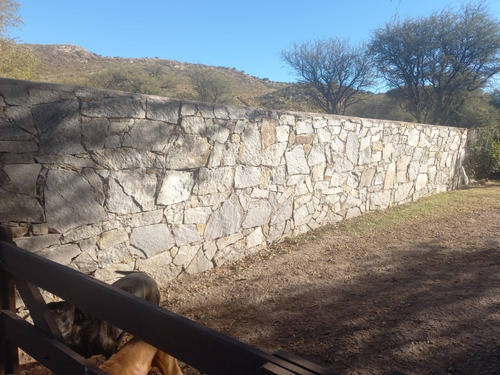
x,y
137,357
88,335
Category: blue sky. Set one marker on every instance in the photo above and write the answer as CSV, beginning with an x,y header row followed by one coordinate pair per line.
x,y
246,35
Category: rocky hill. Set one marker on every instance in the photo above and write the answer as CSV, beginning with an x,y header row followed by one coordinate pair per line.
x,y
75,65
63,63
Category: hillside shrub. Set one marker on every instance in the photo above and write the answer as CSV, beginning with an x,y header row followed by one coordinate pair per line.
x,y
483,158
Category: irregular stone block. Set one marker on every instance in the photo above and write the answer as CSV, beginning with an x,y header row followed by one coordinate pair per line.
x,y
421,181
119,107
23,177
304,139
114,255
185,234
14,94
160,268
231,154
125,158
149,135
304,126
18,232
151,240
163,110
185,255
16,158
283,213
61,254
142,193
366,177
14,207
176,187
256,238
109,273
230,253
40,229
212,181
70,201
95,131
282,134
403,192
83,232
296,162
225,221
38,243
85,264
247,177
96,183
251,146
268,130
21,118
199,264
58,127
301,215
316,156
352,147
18,146
197,215
40,95
258,214
112,238
194,125
142,219
81,161
273,155
390,176
218,132
237,113
118,201
187,151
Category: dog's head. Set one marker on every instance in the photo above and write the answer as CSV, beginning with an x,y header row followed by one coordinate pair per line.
x,y
65,316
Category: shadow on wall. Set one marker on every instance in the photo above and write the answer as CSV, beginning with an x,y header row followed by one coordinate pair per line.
x,y
87,177
103,180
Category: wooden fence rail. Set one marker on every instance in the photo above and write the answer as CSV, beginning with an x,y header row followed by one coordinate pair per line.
x,y
203,348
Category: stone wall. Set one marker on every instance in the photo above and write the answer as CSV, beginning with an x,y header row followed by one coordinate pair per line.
x,y
103,180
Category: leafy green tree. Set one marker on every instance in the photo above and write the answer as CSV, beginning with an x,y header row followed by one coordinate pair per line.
x,y
8,16
337,73
210,86
435,62
483,118
145,79
483,159
495,98
15,60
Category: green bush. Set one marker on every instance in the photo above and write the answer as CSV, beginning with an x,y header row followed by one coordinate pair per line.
x,y
483,158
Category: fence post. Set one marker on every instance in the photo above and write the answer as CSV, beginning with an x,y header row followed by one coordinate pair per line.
x,y
9,358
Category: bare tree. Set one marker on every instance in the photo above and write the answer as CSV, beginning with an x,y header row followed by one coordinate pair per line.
x,y
337,73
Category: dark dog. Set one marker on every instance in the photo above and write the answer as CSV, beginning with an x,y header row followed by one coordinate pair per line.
x,y
88,335
65,316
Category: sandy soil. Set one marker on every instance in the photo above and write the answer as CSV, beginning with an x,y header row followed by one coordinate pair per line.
x,y
421,298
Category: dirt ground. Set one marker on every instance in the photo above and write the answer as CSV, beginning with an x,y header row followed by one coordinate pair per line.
x,y
420,298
